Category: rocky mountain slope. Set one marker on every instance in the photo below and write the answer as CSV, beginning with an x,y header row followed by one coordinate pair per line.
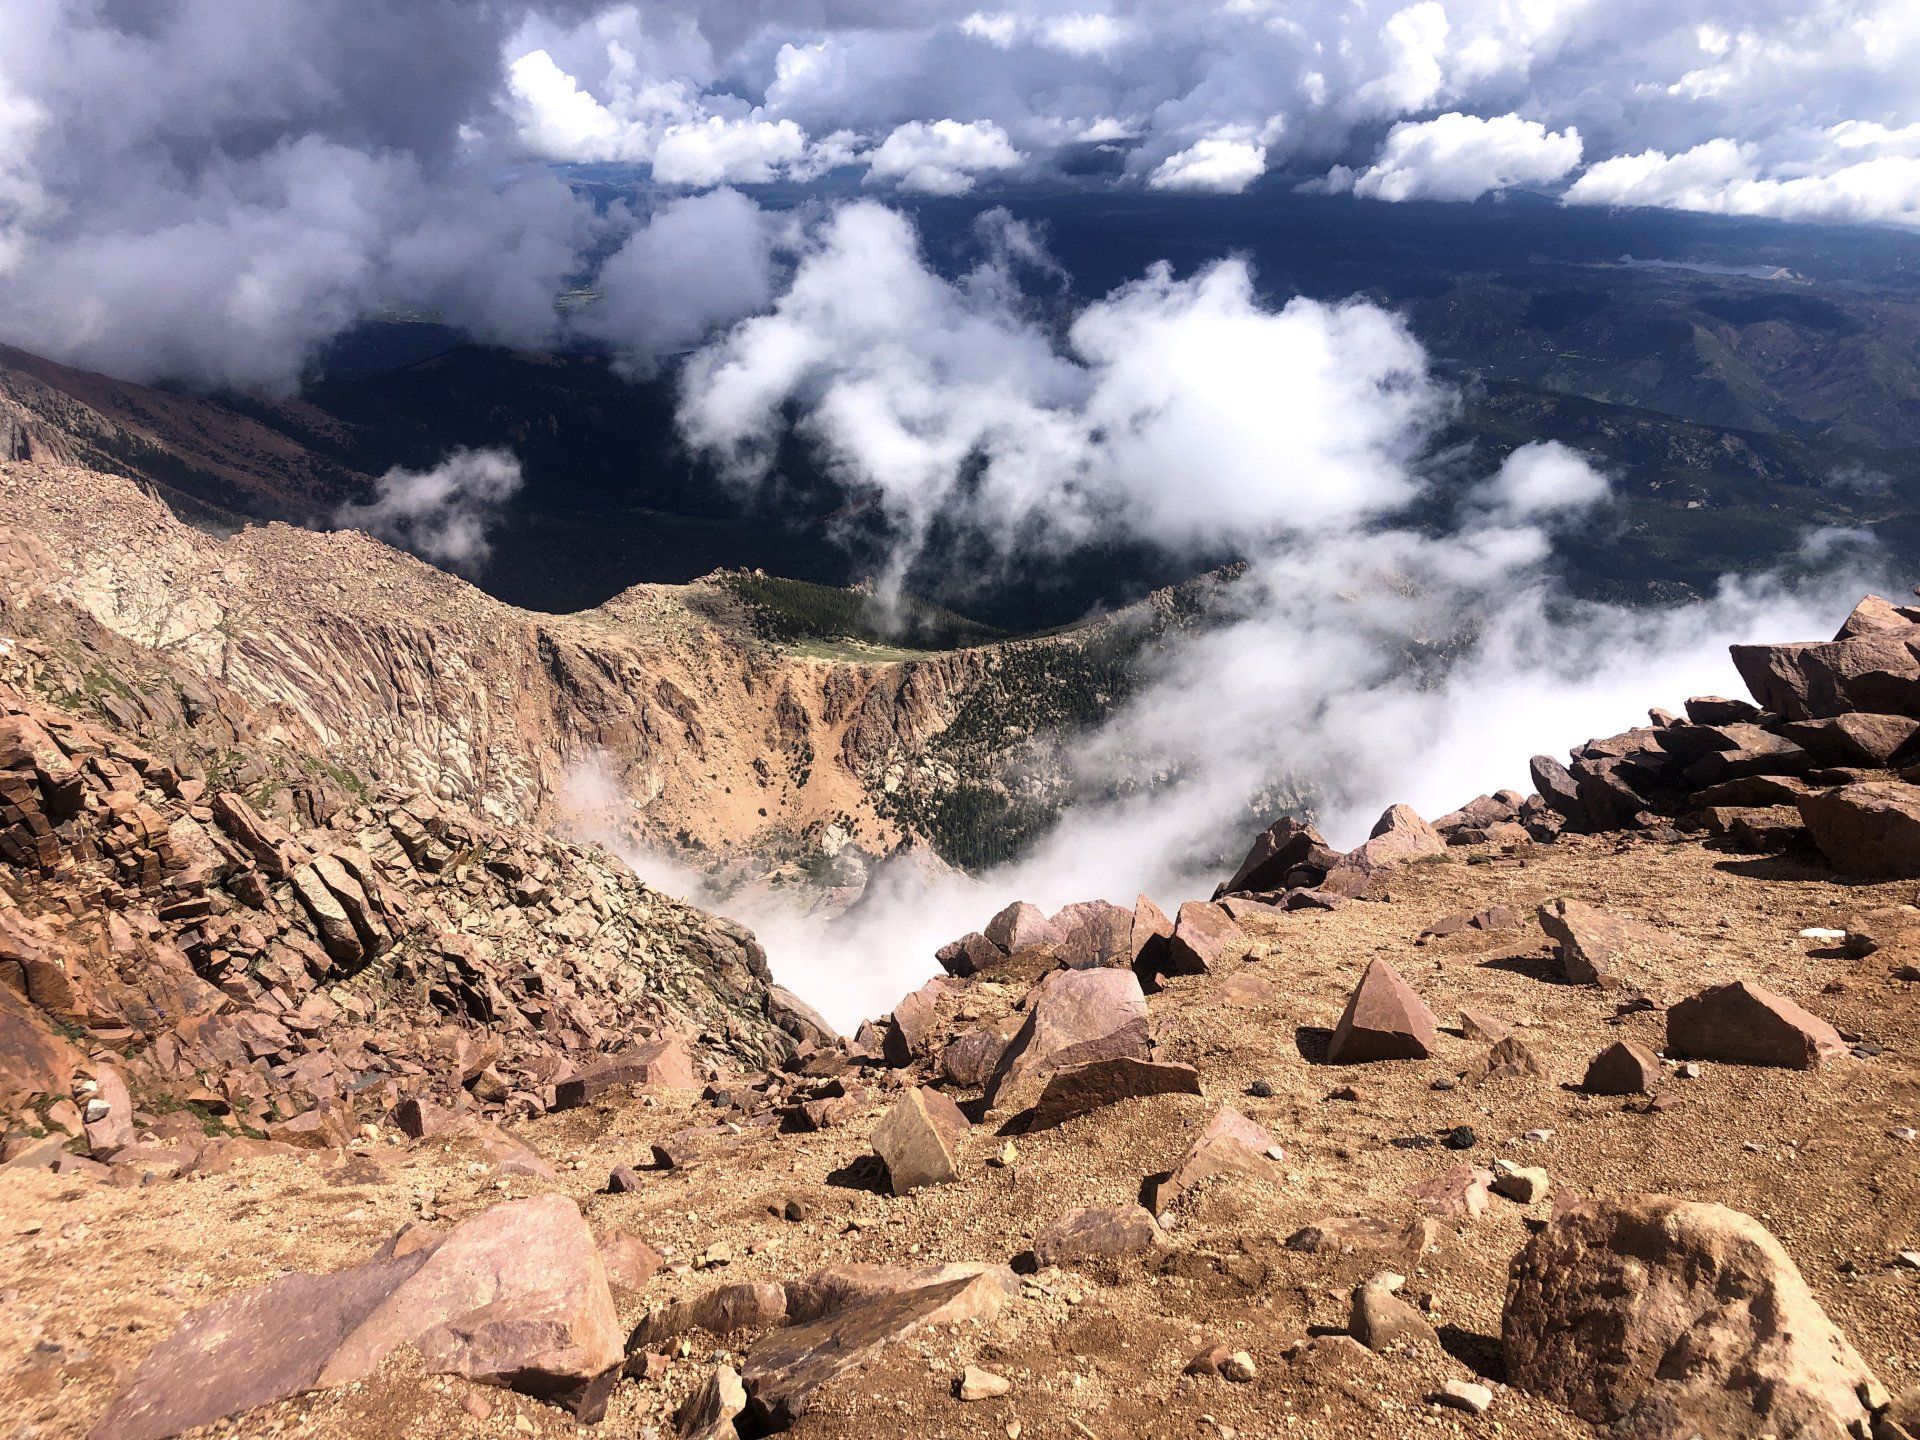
x,y
1591,1112
716,743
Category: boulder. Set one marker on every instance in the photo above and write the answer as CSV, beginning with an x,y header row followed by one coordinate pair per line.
x,y
1556,786
1854,739
1231,1144
1665,1319
1152,930
109,1113
1877,673
797,1018
1021,926
1623,1068
1593,946
1097,1232
1398,836
919,1140
913,1028
1073,1017
784,1368
1384,1020
1094,933
662,1062
1076,1089
969,1058
516,1296
1872,828
1719,710
969,955
1876,612
1203,933
1283,847
1748,1025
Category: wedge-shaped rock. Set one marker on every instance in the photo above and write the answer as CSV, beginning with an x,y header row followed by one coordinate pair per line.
x,y
1509,1059
1077,1089
1384,1020
1380,1320
1748,1025
912,1028
707,1414
968,955
1202,935
1853,739
1461,1191
1868,829
663,1062
838,1286
1152,930
919,1140
516,1296
1665,1319
1559,789
1623,1068
1097,1232
1230,1145
785,1368
337,935
1593,947
1286,846
1073,1017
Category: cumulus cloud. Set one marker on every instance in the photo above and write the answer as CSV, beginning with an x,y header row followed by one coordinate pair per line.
x,y
699,263
942,158
1726,178
445,514
949,399
1220,164
1462,157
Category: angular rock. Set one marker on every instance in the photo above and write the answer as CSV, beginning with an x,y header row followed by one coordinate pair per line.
x,y
1380,1320
663,1062
970,1057
1461,1191
1509,1059
1076,1089
708,1413
1749,1025
797,1018
516,1296
628,1260
1876,673
1556,786
1719,710
1593,947
1870,829
912,1028
1094,933
1202,935
112,1128
1152,930
1623,1068
749,1305
1384,1020
1398,836
1522,1184
969,955
1478,1025
1021,926
1073,1017
1854,739
1665,1318
1231,1144
919,1139
978,1384
785,1368
1097,1232
1277,852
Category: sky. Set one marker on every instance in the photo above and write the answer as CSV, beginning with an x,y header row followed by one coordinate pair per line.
x,y
208,190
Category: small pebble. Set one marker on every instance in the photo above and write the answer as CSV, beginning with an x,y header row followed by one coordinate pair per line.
x,y
1461,1138
1261,1090
1904,1132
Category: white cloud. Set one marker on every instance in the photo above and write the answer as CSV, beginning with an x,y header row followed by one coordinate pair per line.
x,y
1219,164
445,514
720,151
1085,34
942,158
1545,478
1462,157
698,264
1723,177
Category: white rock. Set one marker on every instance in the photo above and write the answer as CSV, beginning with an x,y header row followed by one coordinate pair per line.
x,y
1815,932
1465,1395
978,1384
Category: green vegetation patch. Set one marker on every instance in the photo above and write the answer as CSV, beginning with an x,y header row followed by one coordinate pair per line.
x,y
800,613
